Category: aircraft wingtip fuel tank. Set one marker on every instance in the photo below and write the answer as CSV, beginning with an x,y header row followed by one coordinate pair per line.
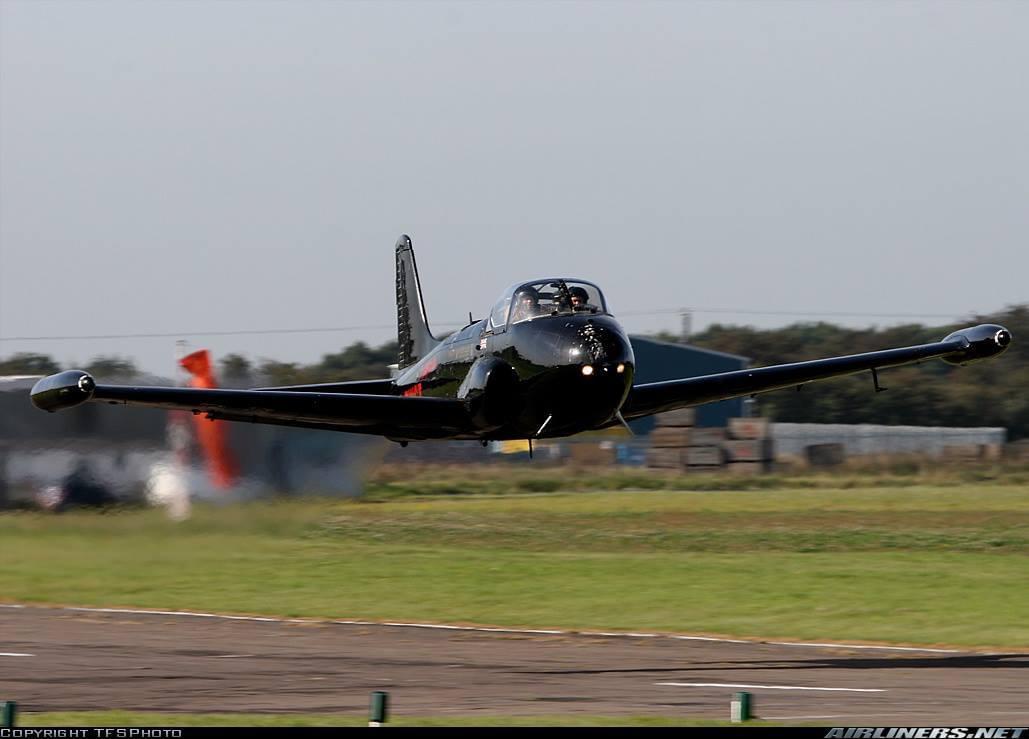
x,y
64,390
981,342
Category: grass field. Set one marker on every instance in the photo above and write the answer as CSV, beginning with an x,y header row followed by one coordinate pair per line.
x,y
883,562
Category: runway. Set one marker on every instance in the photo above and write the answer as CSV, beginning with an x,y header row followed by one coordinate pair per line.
x,y
54,659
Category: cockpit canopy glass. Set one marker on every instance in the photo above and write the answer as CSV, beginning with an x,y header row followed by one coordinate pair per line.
x,y
542,298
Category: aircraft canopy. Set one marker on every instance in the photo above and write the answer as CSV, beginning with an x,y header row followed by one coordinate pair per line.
x,y
543,298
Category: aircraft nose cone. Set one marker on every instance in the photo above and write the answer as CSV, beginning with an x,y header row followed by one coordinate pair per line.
x,y
595,344
591,374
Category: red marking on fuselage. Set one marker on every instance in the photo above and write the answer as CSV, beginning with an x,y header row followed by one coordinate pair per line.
x,y
428,369
415,389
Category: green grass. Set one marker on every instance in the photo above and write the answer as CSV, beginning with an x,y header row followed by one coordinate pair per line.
x,y
915,564
391,482
132,718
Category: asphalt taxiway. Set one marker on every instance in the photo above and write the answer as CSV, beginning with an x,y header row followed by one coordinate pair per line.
x,y
58,659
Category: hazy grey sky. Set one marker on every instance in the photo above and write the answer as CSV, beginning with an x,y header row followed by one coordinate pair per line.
x,y
170,166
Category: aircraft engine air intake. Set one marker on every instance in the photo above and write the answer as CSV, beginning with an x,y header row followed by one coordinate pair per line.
x,y
490,388
980,342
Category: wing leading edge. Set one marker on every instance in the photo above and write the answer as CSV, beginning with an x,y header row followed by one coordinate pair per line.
x,y
961,347
419,417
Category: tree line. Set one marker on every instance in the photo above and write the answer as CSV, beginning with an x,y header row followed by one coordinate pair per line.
x,y
992,393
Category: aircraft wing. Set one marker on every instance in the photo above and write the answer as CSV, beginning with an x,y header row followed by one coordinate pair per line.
x,y
356,412
961,347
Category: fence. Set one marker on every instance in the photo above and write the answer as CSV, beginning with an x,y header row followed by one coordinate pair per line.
x,y
870,439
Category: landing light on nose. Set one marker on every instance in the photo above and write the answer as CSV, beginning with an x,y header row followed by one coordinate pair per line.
x,y
587,369
620,368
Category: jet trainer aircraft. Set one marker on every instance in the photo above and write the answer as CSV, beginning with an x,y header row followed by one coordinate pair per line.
x,y
549,360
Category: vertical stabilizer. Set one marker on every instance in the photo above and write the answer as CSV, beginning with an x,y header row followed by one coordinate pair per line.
x,y
413,335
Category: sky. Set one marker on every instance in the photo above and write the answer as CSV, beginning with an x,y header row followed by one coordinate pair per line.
x,y
222,166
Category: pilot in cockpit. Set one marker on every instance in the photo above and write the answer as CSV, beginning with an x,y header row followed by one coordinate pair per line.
x,y
579,297
526,304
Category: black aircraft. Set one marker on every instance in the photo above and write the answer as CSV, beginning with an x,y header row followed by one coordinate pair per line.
x,y
549,360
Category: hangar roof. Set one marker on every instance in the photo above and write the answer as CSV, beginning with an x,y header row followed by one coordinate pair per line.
x,y
692,348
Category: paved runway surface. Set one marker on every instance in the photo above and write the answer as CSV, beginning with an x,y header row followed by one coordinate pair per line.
x,y
63,660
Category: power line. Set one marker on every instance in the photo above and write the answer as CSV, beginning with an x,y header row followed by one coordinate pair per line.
x,y
806,314
237,332
390,326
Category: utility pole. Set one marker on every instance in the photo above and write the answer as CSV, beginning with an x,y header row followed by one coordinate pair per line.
x,y
687,325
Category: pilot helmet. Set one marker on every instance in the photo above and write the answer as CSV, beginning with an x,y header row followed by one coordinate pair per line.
x,y
579,294
527,293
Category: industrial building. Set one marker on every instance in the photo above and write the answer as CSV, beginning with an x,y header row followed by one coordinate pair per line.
x,y
662,360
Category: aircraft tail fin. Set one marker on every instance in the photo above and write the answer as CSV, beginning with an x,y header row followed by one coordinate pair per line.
x,y
413,335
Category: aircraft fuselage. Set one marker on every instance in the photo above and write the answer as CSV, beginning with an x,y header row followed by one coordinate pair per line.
x,y
552,376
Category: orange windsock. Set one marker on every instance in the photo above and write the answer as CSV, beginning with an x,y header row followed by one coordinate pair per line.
x,y
212,435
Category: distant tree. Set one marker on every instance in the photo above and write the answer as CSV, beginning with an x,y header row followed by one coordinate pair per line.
x,y
358,362
930,394
282,373
235,369
111,367
28,364
358,354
